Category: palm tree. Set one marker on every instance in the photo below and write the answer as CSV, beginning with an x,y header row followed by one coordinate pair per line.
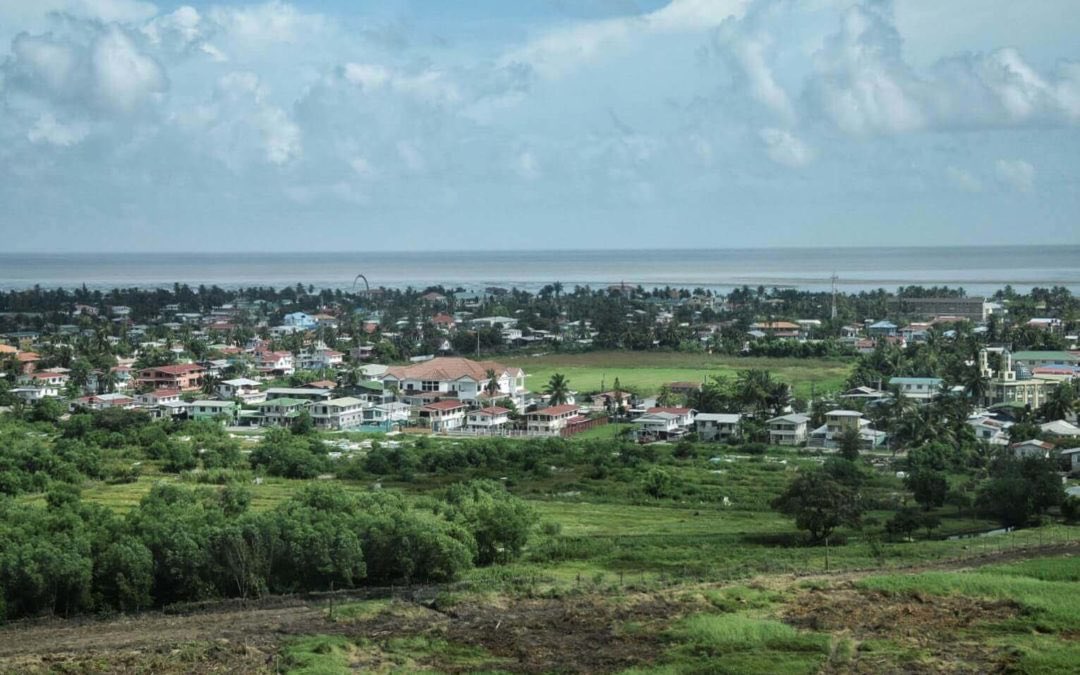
x,y
1059,404
558,388
492,386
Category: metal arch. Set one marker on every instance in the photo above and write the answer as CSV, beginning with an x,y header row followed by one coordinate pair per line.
x,y
367,286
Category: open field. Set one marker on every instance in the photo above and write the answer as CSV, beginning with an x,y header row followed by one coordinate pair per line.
x,y
993,614
645,372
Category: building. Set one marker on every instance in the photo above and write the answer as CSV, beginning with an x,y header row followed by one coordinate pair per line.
x,y
719,427
1037,359
459,378
489,419
338,413
975,309
1009,385
990,431
102,402
184,377
387,415
444,415
247,391
778,329
300,321
1033,448
917,388
278,364
214,410
303,393
788,429
1072,456
280,412
158,397
840,422
552,420
882,329
1060,428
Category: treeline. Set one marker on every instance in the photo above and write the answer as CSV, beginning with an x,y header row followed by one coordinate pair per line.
x,y
181,545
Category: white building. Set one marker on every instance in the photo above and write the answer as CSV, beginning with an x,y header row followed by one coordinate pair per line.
x,y
444,415
338,413
720,427
464,379
551,421
488,419
788,429
248,391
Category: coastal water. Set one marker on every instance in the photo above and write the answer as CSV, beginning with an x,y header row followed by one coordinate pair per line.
x,y
979,270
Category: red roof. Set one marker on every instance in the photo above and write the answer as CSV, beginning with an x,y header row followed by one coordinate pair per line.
x,y
670,410
557,410
443,318
27,356
164,393
321,384
444,405
178,369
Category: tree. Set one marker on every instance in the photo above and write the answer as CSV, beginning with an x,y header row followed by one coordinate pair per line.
x,y
819,504
499,522
492,386
903,523
558,388
1019,490
849,443
658,483
928,487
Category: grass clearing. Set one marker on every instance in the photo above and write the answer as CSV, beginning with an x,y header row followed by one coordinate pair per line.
x,y
733,643
318,655
645,372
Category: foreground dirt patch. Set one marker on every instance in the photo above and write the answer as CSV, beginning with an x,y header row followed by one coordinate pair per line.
x,y
926,634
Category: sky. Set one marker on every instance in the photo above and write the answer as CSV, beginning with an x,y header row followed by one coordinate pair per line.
x,y
342,125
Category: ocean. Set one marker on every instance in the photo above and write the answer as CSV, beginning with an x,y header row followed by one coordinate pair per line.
x,y
979,270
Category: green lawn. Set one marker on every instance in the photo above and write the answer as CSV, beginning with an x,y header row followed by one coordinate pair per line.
x,y
645,372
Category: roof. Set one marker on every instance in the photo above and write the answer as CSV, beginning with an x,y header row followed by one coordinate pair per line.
x,y
776,325
795,418
320,384
916,380
213,404
492,411
1034,443
300,391
284,402
1064,357
444,405
27,356
241,382
343,402
554,410
1060,428
670,409
178,369
723,418
445,368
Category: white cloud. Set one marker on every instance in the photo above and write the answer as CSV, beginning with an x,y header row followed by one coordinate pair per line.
x,y
527,166
48,130
409,153
124,77
963,179
786,149
750,53
559,51
1016,173
428,85
259,26
23,12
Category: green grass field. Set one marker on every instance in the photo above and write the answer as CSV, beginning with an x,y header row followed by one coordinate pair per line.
x,y
646,372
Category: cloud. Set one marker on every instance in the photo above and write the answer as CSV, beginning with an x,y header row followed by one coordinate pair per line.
x,y
1016,173
105,71
963,180
428,85
786,149
21,12
48,130
560,51
527,166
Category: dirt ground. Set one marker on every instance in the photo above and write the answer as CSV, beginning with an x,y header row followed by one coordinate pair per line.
x,y
580,633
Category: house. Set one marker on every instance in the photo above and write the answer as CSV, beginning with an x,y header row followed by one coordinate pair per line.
x,y
973,309
1032,448
778,329
1072,456
45,379
990,431
882,329
865,394
338,413
248,391
320,384
185,377
387,415
102,402
32,394
444,415
460,378
1006,386
300,320
684,417
1060,428
658,425
684,388
27,361
840,422
214,410
280,412
788,429
321,359
1035,359
917,388
488,419
721,427
303,393
277,364
552,420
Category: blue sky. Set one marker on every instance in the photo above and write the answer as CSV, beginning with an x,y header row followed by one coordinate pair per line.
x,y
427,125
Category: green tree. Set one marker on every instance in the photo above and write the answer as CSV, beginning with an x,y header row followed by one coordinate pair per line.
x,y
558,388
928,487
819,504
499,521
849,443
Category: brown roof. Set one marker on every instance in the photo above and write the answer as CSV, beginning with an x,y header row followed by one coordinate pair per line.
x,y
8,349
557,410
776,325
493,410
448,368
669,409
320,384
165,393
27,356
444,405
178,369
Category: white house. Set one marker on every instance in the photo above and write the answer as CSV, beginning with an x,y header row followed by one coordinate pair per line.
x,y
788,429
464,379
717,426
444,415
990,431
31,394
248,391
280,412
1073,455
488,419
386,414
917,388
1032,448
338,413
275,363
552,420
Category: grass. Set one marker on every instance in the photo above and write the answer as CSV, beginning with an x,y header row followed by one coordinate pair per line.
x,y
645,372
318,655
731,643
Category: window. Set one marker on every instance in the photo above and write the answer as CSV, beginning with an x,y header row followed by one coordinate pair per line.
x,y
429,385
